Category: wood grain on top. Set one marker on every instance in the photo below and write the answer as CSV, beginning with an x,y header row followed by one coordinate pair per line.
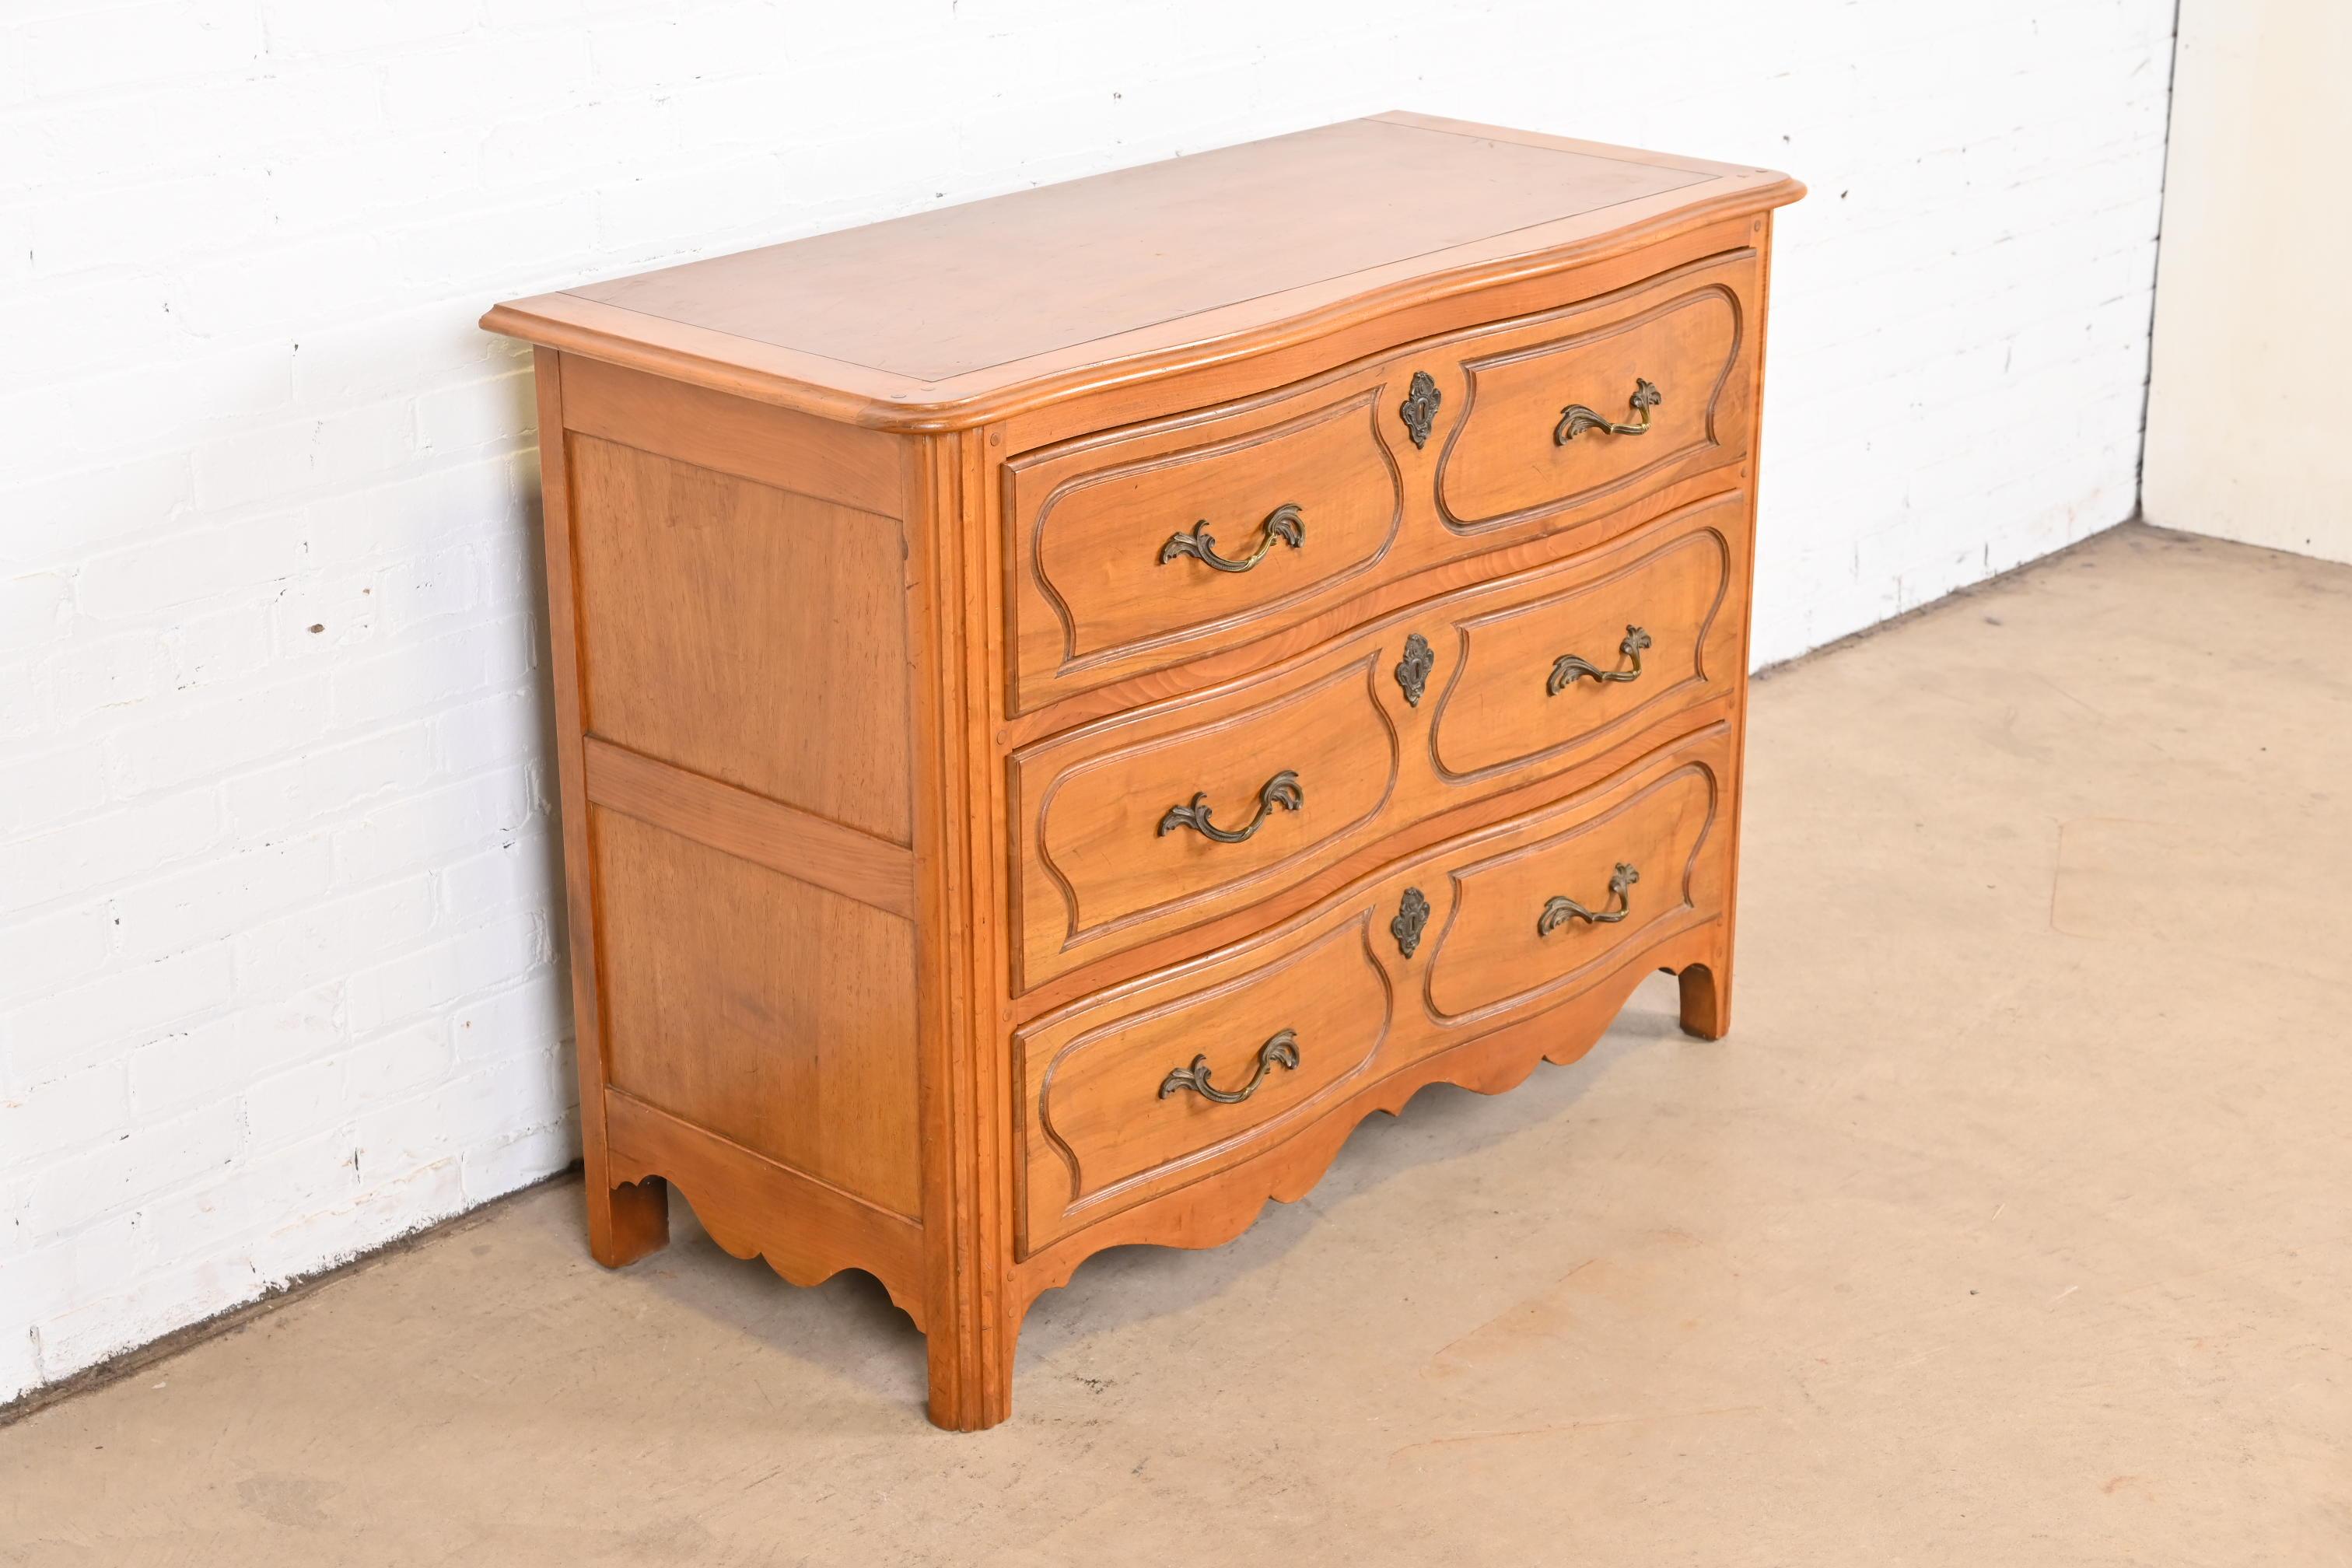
x,y
945,306
945,293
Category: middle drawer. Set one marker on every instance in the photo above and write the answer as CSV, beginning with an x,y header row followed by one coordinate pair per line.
x,y
1155,821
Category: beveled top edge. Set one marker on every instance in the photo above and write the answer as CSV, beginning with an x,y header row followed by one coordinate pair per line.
x,y
877,398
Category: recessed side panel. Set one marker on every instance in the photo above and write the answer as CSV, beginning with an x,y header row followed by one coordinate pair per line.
x,y
740,594
771,1011
748,633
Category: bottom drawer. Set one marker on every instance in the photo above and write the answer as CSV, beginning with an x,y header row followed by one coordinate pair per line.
x,y
1181,1074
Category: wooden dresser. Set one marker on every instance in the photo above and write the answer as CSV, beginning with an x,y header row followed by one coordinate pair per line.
x,y
1067,704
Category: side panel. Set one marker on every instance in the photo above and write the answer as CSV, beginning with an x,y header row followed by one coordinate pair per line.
x,y
774,1012
744,632
739,796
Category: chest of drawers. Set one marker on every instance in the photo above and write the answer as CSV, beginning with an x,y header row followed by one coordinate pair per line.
x,y
1067,704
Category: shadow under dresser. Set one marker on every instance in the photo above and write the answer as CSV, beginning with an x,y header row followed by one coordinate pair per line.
x,y
1067,703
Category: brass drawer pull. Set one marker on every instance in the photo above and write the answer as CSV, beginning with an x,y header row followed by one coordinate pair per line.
x,y
1283,522
1576,418
1281,790
1568,669
1280,1051
1562,910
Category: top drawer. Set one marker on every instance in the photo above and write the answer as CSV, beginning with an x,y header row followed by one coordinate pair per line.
x,y
1583,415
1144,547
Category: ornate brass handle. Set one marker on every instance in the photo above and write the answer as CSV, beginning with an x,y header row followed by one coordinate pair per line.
x,y
1568,669
1562,910
1279,1051
1281,790
1576,418
1283,522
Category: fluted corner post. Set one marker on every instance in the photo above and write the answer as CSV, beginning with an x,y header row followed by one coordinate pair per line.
x,y
972,1317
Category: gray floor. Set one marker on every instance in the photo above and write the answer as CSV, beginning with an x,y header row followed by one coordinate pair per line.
x,y
2013,1224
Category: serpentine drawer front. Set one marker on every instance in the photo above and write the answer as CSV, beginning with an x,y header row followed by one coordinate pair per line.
x,y
1066,704
1428,955
1157,820
1603,397
1137,550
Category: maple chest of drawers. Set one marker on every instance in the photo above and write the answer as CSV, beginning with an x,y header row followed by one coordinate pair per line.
x,y
1067,703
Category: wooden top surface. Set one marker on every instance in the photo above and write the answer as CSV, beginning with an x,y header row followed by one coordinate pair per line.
x,y
941,318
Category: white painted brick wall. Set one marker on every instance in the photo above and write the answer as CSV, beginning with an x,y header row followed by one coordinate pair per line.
x,y
278,935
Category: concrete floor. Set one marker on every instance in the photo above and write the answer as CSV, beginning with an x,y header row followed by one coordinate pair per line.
x,y
2012,1224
